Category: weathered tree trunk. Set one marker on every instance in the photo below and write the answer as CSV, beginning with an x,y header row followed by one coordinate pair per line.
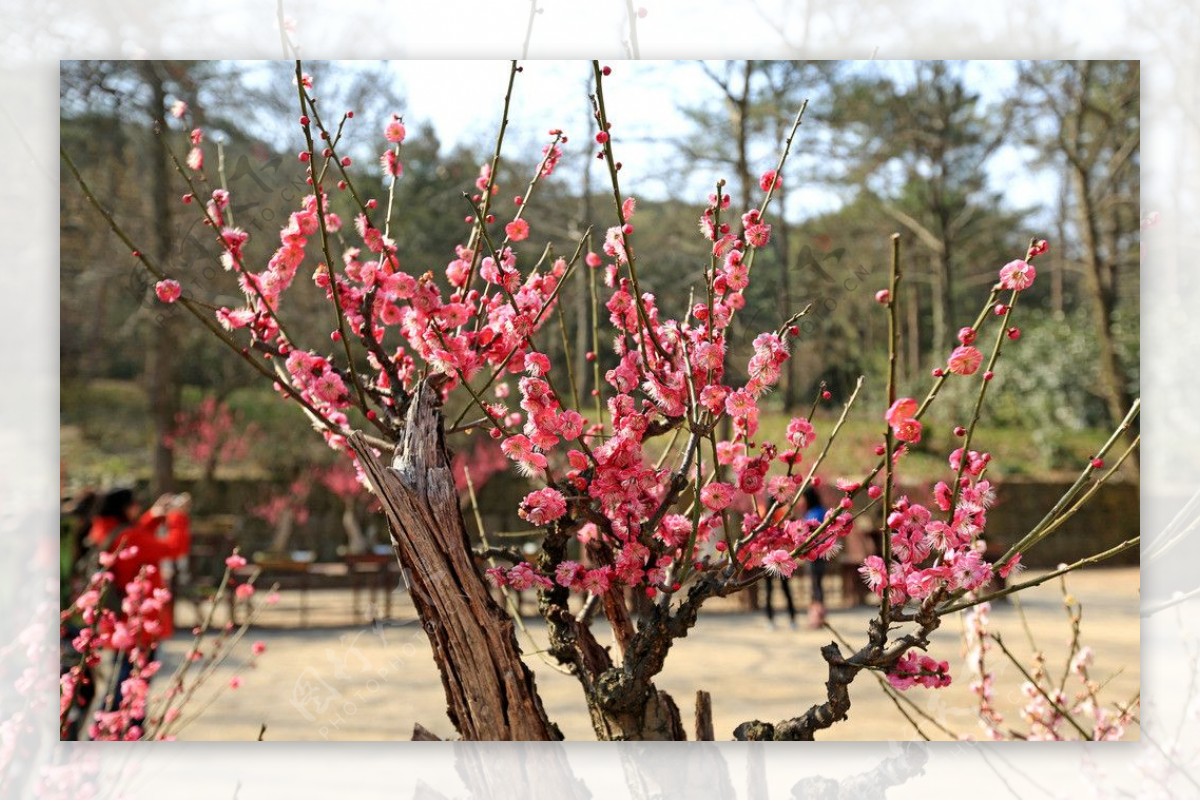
x,y
356,541
283,531
1100,280
161,352
622,700
625,715
490,692
704,720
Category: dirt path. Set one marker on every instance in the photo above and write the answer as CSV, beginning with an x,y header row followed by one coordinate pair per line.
x,y
373,682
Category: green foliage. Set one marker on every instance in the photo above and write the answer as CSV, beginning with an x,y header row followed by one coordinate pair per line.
x,y
105,437
284,447
1045,386
1126,330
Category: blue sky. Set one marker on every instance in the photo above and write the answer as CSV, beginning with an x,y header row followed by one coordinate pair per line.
x,y
643,100
463,100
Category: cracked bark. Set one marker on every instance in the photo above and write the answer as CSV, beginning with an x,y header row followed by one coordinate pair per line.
x,y
490,693
622,701
842,672
819,716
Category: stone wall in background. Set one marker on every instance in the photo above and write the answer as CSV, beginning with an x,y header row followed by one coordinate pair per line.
x,y
1110,517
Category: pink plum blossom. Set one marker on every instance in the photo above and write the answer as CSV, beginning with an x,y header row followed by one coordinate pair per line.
x,y
964,360
1017,275
168,290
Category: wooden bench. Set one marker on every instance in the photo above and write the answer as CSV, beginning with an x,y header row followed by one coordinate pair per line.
x,y
377,573
289,573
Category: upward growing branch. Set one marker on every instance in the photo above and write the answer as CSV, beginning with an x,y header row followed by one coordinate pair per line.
x,y
889,464
306,103
626,242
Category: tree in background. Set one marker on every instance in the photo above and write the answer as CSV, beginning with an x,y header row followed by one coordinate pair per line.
x,y
1092,111
211,434
340,479
283,511
917,148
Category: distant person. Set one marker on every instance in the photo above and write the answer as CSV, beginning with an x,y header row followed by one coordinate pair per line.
x,y
76,523
814,510
119,525
768,604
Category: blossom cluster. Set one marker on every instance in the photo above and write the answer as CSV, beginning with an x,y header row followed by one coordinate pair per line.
x,y
481,321
917,669
938,552
131,629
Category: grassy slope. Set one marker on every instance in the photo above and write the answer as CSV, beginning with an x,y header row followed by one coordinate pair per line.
x,y
106,436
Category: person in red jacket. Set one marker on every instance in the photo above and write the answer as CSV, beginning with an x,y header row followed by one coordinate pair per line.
x,y
120,527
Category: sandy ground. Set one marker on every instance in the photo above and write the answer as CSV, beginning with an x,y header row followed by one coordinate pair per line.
x,y
340,680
